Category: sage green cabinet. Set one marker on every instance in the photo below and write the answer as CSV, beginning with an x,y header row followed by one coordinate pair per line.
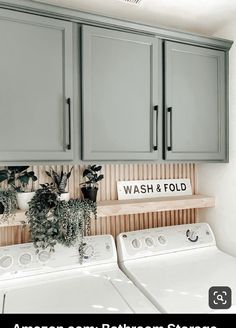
x,y
124,76
121,95
195,103
35,88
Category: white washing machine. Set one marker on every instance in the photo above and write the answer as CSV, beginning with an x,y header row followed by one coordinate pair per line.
x,y
176,266
57,283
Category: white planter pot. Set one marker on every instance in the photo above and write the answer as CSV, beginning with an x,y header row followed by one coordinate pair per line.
x,y
23,198
65,196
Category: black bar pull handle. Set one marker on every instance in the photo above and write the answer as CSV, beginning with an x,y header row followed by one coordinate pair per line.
x,y
169,129
68,101
155,133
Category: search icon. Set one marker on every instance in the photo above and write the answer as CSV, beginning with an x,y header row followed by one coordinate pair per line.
x,y
220,298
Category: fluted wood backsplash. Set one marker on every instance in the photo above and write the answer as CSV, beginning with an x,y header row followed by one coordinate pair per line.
x,y
107,191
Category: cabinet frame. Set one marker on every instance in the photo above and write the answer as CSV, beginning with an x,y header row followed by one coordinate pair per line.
x,y
155,109
66,30
221,153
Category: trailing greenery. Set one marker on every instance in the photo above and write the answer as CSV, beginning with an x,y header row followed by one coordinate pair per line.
x,y
9,202
53,221
17,177
59,180
92,175
40,217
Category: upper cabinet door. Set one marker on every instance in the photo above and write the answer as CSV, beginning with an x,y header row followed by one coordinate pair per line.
x,y
36,88
121,95
195,103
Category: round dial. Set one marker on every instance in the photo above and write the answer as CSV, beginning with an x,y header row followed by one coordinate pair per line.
x,y
25,259
6,261
136,243
192,235
162,240
149,241
44,256
88,251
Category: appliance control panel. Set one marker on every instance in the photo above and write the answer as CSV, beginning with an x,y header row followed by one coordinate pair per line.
x,y
22,260
156,241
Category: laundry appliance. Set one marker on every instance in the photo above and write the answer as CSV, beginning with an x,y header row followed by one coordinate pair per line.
x,y
56,282
176,266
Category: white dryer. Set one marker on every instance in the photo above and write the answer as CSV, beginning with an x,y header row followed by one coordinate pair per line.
x,y
57,283
176,266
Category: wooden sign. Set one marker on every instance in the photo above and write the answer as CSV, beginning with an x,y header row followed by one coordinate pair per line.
x,y
153,188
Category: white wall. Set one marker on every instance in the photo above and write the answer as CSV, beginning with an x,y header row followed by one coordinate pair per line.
x,y
219,180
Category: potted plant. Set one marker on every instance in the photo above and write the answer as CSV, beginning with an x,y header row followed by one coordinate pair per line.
x,y
18,178
90,185
54,221
59,183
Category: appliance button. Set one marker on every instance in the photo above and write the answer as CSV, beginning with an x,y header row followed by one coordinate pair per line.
x,y
136,243
149,241
25,259
162,240
6,261
44,256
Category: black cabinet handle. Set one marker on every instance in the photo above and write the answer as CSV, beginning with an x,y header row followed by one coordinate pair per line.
x,y
169,128
155,146
68,101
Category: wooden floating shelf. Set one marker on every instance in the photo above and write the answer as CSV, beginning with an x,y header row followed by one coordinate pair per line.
x,y
160,204
136,206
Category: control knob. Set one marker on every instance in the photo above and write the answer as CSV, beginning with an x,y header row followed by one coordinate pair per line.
x,y
162,240
192,235
88,251
25,259
149,241
136,243
6,261
44,256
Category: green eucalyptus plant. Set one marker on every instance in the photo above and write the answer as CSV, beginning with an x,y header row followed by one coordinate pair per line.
x,y
59,180
54,221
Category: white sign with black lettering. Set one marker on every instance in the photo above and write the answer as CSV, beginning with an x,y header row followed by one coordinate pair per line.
x,y
153,188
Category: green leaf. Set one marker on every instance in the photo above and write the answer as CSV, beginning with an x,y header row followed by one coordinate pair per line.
x,y
100,177
86,172
97,168
48,173
3,175
18,169
24,179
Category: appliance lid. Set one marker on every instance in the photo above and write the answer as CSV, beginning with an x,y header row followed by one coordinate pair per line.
x,y
180,282
88,294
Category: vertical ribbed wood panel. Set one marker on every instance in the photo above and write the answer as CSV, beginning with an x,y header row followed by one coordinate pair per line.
x,y
107,191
